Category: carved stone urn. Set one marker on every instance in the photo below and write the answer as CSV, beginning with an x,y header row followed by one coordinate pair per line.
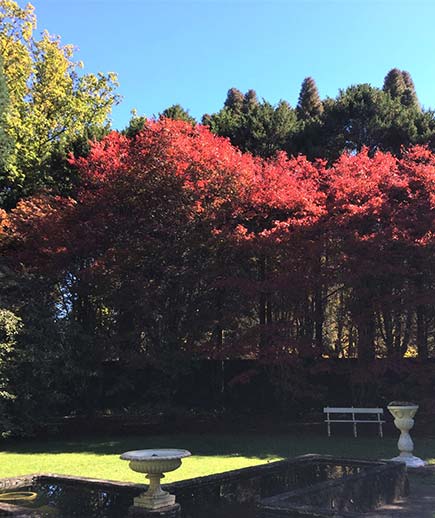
x,y
403,413
155,463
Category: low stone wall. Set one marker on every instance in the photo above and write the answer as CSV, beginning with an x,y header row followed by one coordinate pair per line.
x,y
11,483
304,480
347,497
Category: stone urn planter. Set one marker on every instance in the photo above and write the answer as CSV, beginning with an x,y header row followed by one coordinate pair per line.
x,y
154,463
403,413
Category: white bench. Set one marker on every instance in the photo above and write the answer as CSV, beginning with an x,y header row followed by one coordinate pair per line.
x,y
355,417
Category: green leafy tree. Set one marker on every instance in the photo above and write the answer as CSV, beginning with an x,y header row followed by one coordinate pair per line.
x,y
51,102
309,103
10,328
6,144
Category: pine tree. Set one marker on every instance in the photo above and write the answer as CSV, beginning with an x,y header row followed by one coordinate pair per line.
x,y
408,80
177,112
234,100
399,84
309,103
409,97
250,101
394,83
136,124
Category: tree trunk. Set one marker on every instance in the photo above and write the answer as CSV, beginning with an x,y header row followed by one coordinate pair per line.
x,y
366,325
262,302
422,345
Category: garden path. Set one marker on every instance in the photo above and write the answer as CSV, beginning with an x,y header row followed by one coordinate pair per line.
x,y
419,504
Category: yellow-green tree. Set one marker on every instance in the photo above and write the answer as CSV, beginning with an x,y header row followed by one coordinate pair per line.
x,y
52,104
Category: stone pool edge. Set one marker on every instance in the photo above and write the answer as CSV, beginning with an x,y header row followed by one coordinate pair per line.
x,y
241,485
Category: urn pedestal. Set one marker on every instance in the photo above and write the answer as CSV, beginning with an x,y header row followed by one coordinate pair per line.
x,y
154,463
403,414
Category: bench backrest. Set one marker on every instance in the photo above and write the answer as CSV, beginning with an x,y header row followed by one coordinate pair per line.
x,y
351,410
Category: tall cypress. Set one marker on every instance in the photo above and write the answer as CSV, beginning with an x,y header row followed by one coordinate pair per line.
x,y
309,103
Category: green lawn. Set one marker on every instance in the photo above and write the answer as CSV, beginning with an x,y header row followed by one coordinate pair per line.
x,y
99,458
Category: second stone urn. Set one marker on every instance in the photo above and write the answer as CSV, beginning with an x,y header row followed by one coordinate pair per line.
x,y
403,413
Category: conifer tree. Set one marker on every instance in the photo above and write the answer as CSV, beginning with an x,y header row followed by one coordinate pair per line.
x,y
250,101
408,80
409,97
394,83
309,103
177,112
234,100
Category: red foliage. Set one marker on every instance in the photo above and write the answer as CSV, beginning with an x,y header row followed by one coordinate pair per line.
x,y
383,194
167,205
35,232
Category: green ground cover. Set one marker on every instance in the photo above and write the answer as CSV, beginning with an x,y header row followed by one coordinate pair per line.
x,y
99,457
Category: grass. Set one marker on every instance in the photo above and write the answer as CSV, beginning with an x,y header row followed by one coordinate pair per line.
x,y
99,457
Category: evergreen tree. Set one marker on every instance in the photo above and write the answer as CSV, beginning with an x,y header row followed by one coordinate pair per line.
x,y
363,115
136,124
409,97
177,112
207,119
234,100
261,128
394,83
309,103
250,101
267,128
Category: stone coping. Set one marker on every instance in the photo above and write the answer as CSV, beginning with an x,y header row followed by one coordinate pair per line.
x,y
23,480
271,467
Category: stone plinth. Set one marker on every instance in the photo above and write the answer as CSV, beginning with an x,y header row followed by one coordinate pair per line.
x,y
172,511
403,414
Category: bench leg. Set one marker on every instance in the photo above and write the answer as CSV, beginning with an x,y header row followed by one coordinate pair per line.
x,y
329,429
355,434
381,434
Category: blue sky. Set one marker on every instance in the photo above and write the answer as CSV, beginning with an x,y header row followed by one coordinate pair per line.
x,y
191,52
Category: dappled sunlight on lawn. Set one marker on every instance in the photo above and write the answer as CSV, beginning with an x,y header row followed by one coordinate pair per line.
x,y
110,467
212,453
